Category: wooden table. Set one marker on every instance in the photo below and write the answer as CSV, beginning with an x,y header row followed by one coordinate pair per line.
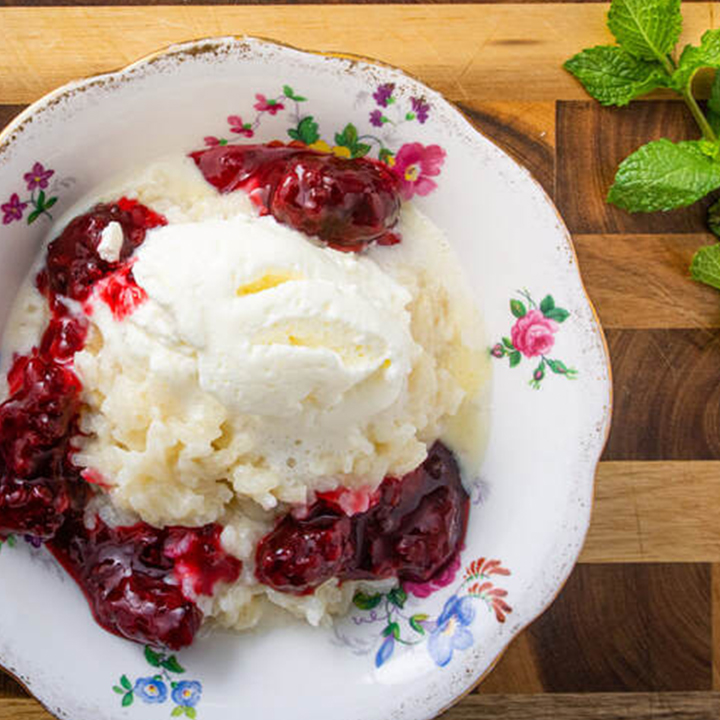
x,y
633,632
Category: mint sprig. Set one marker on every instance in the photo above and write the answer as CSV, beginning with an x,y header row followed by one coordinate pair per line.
x,y
613,76
647,29
661,175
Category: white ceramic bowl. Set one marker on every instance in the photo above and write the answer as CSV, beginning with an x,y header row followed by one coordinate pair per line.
x,y
549,416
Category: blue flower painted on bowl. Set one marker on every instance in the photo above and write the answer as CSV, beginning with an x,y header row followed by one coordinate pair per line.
x,y
451,631
151,690
385,652
187,693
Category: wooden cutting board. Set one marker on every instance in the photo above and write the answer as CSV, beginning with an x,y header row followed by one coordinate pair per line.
x,y
633,633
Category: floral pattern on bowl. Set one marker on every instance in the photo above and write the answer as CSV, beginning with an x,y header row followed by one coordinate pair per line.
x,y
507,234
450,630
533,335
162,686
414,164
40,200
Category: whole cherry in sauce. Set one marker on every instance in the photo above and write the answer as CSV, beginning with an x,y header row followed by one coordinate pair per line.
x,y
140,581
347,203
413,528
73,264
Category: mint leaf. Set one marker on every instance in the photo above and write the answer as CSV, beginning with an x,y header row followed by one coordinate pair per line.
x,y
713,106
705,266
713,218
613,76
647,29
663,175
707,54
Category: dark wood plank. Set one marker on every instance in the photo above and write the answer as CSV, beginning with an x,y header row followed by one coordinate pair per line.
x,y
597,706
592,141
520,139
8,112
643,281
618,627
667,394
10,688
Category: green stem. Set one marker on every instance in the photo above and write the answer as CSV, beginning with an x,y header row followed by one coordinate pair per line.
x,y
708,133
697,113
667,64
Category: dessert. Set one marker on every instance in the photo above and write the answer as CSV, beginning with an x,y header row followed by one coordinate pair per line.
x,y
243,380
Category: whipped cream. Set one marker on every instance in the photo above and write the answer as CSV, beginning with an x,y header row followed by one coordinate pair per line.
x,y
281,328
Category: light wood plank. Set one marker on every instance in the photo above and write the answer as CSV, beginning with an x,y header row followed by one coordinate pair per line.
x,y
578,706
655,512
715,600
25,709
593,706
503,52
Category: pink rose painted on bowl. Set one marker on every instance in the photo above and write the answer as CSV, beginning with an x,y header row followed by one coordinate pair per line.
x,y
533,334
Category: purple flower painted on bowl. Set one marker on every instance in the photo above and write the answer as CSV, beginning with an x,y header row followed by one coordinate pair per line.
x,y
420,108
13,209
446,576
383,94
451,632
35,542
385,652
238,126
187,693
38,177
265,105
415,164
376,118
151,690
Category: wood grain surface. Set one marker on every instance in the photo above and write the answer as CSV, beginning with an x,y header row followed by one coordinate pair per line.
x,y
635,632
